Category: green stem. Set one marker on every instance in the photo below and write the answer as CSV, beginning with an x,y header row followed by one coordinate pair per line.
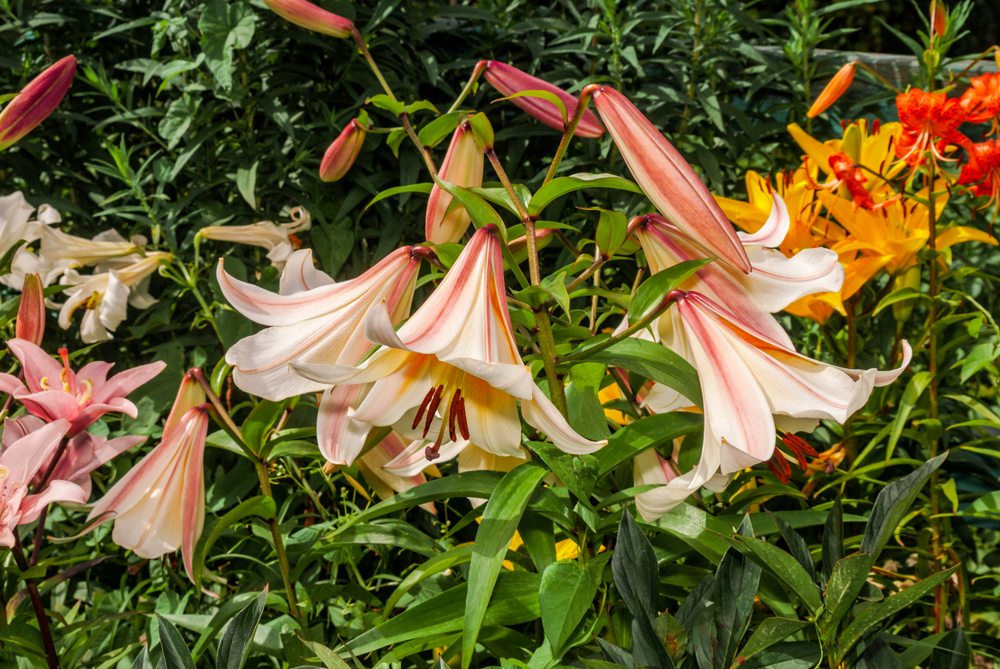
x,y
624,334
371,63
36,602
581,107
594,266
279,545
425,153
480,67
879,77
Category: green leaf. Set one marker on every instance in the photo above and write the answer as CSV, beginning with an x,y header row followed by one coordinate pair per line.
x,y
888,607
476,483
434,565
178,119
500,520
653,290
636,437
482,131
833,538
383,101
579,473
8,258
566,594
175,652
434,132
420,105
846,580
794,655
142,660
555,285
892,504
769,632
329,658
234,646
261,506
611,231
479,210
562,185
906,293
514,601
259,423
736,583
786,568
424,188
953,652
914,389
544,95
224,28
246,180
796,545
637,578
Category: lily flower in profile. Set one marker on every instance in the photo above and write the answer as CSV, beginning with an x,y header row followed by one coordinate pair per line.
x,y
279,240
15,226
316,321
36,101
30,324
159,505
752,386
309,16
340,156
52,391
462,166
19,463
837,86
983,170
509,80
982,99
453,370
105,297
667,179
71,251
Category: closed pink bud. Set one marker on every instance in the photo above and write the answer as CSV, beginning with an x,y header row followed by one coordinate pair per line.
x,y
509,80
462,166
36,101
343,152
31,313
311,17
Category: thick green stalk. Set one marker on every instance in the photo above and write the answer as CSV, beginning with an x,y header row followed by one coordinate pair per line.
x,y
568,133
279,544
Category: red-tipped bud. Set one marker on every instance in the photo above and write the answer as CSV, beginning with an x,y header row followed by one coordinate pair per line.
x,y
939,18
343,152
31,314
311,17
462,166
840,83
509,80
36,101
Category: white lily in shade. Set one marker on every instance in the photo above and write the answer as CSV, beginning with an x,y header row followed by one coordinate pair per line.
x,y
316,321
752,385
279,240
68,250
453,370
159,505
15,226
667,179
105,297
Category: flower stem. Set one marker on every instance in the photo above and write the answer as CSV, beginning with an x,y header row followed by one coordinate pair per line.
x,y
480,66
371,62
879,77
425,153
279,545
624,334
581,107
598,261
932,366
36,602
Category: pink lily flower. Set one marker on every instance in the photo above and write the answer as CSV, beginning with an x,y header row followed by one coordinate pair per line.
x,y
159,505
753,385
309,16
19,463
36,101
667,179
462,166
279,240
453,370
315,321
340,156
509,80
52,391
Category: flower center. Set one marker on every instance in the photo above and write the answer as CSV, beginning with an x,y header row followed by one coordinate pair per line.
x,y
447,397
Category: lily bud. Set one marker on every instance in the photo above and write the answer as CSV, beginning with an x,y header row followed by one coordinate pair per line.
x,y
311,17
939,18
462,166
509,80
840,83
343,152
36,101
902,309
31,313
667,179
190,395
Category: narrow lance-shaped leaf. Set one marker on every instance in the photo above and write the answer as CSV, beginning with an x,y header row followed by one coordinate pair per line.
x,y
234,647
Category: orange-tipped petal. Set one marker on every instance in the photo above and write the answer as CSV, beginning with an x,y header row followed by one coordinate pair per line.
x,y
509,80
668,180
31,313
311,17
341,155
840,83
36,101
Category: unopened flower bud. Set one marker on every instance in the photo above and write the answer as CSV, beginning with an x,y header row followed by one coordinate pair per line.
x,y
36,101
31,313
462,166
902,309
939,18
840,83
311,17
343,152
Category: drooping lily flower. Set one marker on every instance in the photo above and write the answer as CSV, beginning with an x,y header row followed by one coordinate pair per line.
x,y
462,166
279,240
343,152
668,180
105,297
837,86
71,251
983,170
311,17
30,324
15,226
159,505
52,391
509,80
930,123
453,370
753,385
19,463
982,99
774,283
36,101
314,320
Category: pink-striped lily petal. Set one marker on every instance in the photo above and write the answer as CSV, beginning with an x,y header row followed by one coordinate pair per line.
x,y
309,16
300,274
668,180
775,228
55,491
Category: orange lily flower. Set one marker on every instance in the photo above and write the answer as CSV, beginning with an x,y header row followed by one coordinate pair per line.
x,y
930,122
983,170
982,99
